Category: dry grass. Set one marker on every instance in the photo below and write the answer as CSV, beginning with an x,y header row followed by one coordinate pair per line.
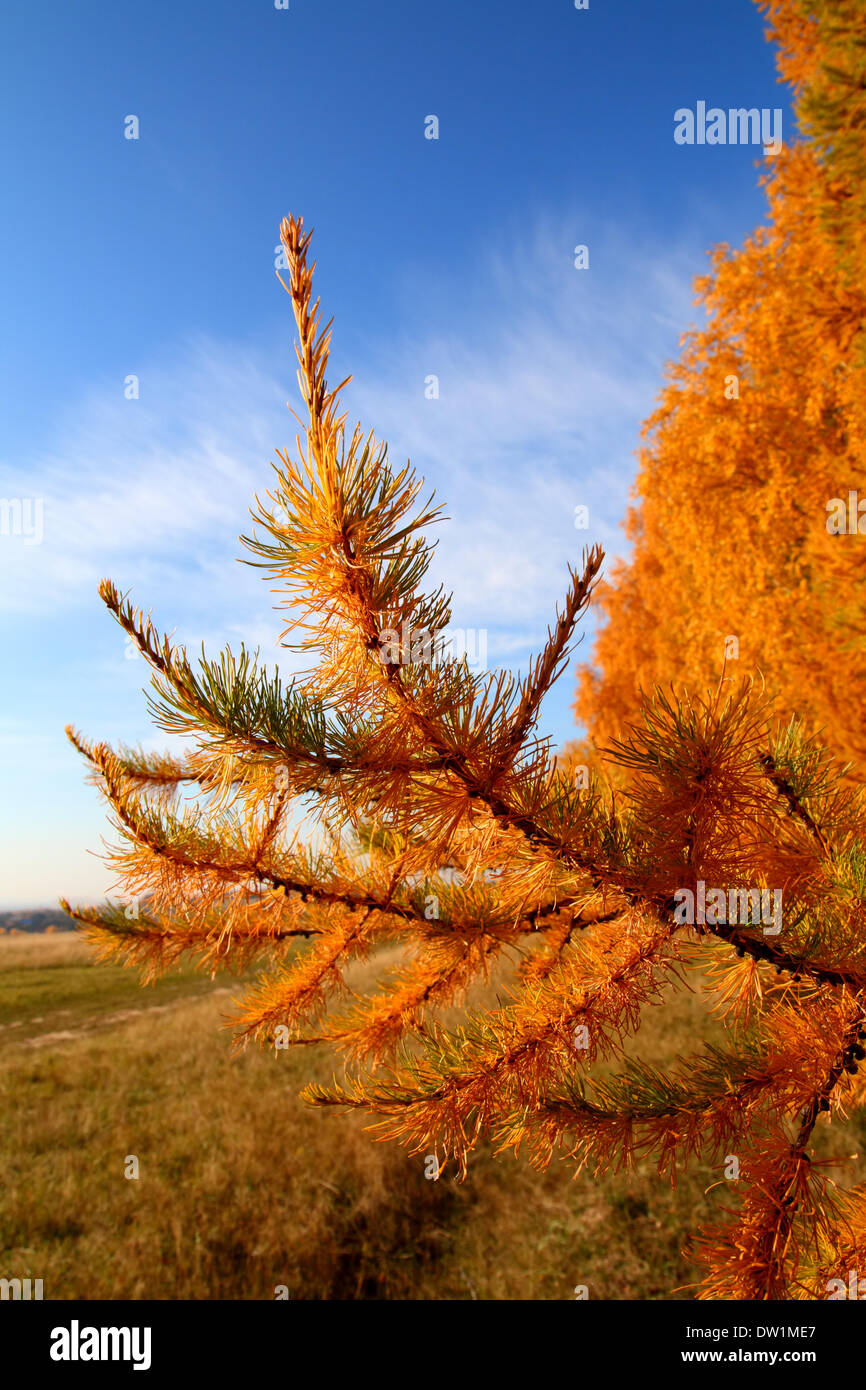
x,y
243,1188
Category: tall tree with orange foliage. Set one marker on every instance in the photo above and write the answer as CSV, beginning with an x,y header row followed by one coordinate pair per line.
x,y
446,827
749,524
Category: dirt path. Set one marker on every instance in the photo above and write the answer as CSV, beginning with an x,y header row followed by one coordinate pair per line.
x,y
100,1022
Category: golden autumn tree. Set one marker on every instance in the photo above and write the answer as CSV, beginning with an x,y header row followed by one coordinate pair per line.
x,y
749,520
445,826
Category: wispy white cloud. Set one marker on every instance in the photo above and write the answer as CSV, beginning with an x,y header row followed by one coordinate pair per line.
x,y
148,486
542,388
543,379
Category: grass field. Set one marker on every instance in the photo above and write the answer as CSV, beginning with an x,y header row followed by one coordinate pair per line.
x,y
243,1188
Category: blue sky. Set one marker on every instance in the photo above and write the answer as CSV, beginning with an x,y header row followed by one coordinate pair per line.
x,y
453,257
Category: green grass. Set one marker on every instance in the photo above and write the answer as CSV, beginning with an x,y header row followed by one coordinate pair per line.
x,y
36,998
243,1188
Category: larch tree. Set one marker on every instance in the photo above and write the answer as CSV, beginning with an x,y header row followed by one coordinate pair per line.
x,y
446,827
748,527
